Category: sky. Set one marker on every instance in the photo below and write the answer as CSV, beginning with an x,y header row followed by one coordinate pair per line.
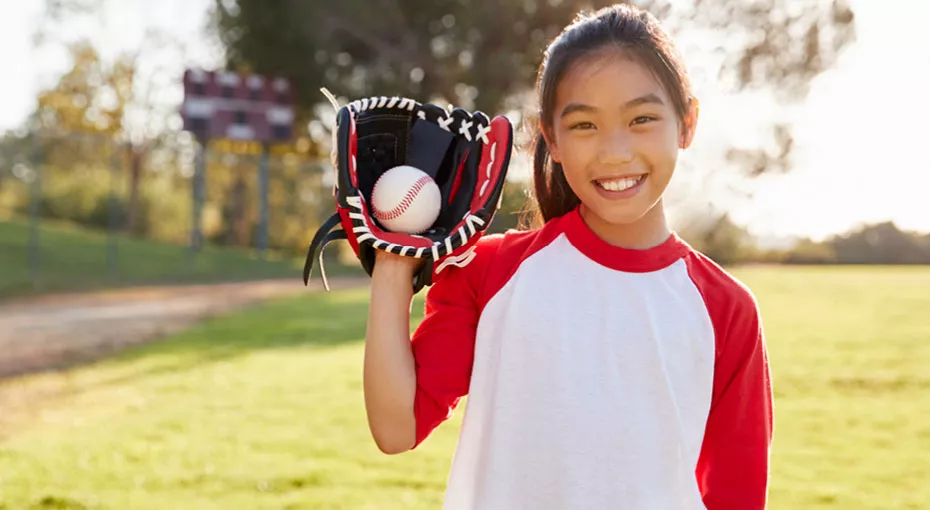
x,y
860,136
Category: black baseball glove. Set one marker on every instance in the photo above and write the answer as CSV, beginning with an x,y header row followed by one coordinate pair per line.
x,y
466,154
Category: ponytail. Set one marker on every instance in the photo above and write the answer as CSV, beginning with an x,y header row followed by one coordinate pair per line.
x,y
553,196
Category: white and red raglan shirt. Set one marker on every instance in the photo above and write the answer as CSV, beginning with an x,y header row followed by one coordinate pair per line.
x,y
597,377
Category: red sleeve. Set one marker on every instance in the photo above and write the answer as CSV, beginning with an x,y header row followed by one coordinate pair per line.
x,y
733,467
444,342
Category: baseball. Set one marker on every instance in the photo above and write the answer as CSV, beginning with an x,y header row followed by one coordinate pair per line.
x,y
406,199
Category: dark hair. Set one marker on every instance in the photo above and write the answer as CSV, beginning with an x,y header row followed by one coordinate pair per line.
x,y
623,27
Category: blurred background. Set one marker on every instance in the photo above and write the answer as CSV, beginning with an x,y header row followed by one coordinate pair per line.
x,y
128,214
809,147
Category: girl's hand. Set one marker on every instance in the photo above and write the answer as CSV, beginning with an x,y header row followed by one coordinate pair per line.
x,y
396,265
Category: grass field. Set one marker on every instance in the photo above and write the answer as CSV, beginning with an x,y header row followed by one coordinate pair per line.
x,y
76,259
264,410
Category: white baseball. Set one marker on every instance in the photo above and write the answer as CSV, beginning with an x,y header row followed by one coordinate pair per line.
x,y
406,199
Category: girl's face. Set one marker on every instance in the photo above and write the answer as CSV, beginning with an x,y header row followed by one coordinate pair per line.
x,y
616,134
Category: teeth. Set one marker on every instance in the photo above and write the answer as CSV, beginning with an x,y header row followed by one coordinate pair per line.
x,y
619,184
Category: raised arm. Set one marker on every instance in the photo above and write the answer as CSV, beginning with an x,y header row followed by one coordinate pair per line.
x,y
390,378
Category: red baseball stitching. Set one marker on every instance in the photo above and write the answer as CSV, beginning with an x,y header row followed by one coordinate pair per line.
x,y
405,203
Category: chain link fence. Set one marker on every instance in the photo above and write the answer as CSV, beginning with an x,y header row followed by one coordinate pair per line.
x,y
81,211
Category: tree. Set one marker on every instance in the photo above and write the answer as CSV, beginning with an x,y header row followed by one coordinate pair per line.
x,y
810,252
881,243
485,54
138,123
73,128
722,240
878,243
102,112
90,98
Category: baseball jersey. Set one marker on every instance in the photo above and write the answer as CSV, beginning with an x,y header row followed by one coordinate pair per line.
x,y
597,376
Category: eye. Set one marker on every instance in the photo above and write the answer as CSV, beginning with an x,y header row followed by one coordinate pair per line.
x,y
642,119
581,125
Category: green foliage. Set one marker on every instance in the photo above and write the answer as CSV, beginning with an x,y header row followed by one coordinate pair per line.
x,y
476,54
264,409
76,145
90,98
881,243
485,54
810,252
82,198
82,181
723,241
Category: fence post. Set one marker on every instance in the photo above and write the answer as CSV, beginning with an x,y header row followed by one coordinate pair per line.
x,y
35,201
113,224
198,196
263,203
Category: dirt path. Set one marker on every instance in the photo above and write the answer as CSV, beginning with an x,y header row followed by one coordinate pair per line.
x,y
59,331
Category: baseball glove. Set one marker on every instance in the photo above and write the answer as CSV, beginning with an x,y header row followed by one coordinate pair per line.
x,y
466,154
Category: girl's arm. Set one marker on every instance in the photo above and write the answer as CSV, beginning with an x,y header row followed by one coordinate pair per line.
x,y
389,371
412,384
733,468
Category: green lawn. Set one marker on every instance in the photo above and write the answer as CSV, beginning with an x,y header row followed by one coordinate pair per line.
x,y
264,409
77,259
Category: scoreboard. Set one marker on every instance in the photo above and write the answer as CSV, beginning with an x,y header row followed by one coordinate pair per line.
x,y
236,106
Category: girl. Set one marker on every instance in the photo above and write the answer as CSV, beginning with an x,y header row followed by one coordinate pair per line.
x,y
607,363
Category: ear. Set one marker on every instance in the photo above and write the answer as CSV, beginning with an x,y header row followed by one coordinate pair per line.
x,y
553,148
690,125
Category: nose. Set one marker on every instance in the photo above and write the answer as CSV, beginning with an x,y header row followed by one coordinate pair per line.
x,y
617,149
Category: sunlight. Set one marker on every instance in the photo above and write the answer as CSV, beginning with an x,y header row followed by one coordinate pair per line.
x,y
858,158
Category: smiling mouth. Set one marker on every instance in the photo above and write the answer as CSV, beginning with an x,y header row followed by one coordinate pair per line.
x,y
621,183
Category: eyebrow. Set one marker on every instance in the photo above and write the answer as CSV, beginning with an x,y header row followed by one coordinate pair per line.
x,y
633,103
